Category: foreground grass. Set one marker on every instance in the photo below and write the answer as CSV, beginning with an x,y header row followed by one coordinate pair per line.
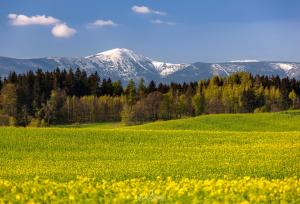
x,y
84,190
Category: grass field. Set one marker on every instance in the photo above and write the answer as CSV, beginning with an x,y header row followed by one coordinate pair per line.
x,y
261,122
203,148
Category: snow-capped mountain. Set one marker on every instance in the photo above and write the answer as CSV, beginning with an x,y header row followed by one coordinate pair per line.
x,y
130,65
200,70
123,64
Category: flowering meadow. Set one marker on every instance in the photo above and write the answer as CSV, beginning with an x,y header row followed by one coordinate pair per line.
x,y
165,162
85,190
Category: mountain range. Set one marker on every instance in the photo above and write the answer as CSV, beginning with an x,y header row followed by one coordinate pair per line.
x,y
123,64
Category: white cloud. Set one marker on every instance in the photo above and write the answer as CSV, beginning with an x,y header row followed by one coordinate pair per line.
x,y
59,30
102,23
146,10
141,9
158,21
159,12
23,20
62,31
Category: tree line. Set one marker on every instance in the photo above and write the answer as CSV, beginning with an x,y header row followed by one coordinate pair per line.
x,y
72,96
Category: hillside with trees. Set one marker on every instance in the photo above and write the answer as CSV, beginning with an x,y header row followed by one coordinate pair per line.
x,y
65,97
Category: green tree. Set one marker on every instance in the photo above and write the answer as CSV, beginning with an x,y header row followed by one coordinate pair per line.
x,y
146,109
131,93
94,84
213,97
9,99
52,113
247,101
117,88
166,107
293,97
151,87
198,102
142,88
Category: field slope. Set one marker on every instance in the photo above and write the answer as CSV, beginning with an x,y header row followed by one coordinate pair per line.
x,y
261,122
256,145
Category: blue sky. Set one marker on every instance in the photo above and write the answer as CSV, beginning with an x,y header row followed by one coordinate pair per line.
x,y
169,30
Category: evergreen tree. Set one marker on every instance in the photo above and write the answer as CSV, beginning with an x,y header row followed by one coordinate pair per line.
x,y
70,83
1,83
12,78
142,88
117,88
162,88
151,87
247,101
94,84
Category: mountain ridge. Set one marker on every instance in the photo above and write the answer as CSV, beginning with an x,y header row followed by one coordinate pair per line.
x,y
124,64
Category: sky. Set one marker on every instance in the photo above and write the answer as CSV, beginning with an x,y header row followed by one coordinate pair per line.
x,y
170,30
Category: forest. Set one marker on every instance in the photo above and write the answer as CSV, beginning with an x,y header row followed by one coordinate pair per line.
x,y
45,98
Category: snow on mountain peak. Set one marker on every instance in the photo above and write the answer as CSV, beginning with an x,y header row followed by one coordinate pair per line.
x,y
168,68
115,54
123,61
284,66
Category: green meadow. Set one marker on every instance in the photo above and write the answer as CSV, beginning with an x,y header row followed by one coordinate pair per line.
x,y
206,147
255,122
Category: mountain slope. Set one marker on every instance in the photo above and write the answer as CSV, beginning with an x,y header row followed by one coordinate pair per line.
x,y
166,69
200,70
123,64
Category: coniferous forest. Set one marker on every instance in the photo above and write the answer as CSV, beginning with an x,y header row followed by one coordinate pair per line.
x,y
67,96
